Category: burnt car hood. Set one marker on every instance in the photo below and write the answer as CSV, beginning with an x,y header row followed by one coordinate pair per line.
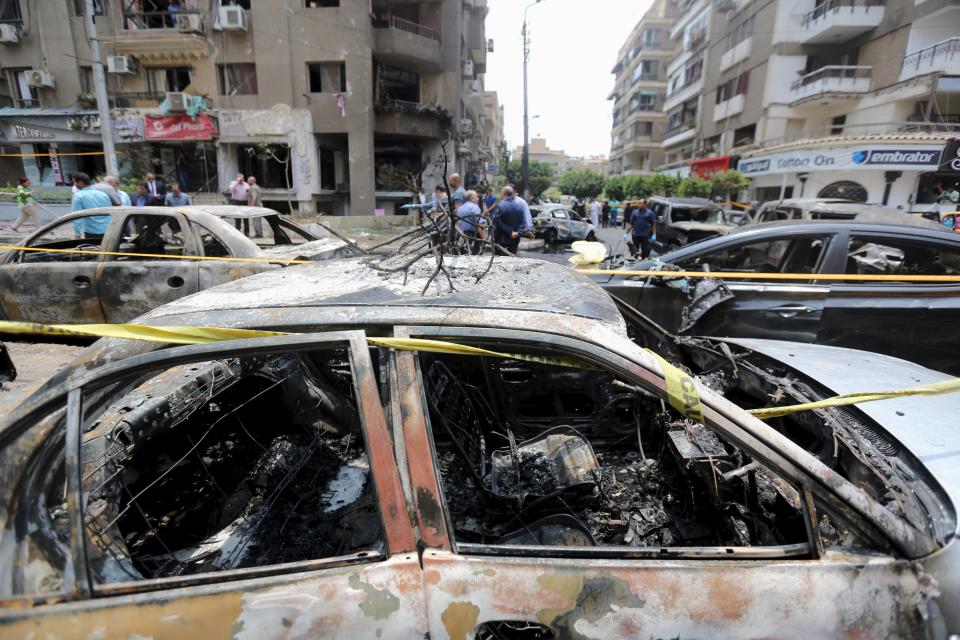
x,y
925,425
322,249
701,227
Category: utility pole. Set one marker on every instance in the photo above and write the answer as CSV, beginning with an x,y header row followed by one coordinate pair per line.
x,y
526,122
100,88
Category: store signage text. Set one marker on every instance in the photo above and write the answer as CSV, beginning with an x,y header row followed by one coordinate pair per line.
x,y
23,131
180,127
868,158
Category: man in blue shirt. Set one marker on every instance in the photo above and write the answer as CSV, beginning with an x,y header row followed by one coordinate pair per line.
x,y
89,227
509,223
470,221
642,227
176,198
458,196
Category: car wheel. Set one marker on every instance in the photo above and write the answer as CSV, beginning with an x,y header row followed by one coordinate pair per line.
x,y
550,236
591,237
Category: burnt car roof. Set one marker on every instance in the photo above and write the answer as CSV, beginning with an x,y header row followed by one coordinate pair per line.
x,y
234,211
687,202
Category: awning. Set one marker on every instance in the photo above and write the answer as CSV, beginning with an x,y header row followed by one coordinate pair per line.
x,y
706,167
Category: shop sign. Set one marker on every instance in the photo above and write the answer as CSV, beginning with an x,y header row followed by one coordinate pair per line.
x,y
180,127
706,167
26,132
128,129
88,123
950,160
924,158
55,164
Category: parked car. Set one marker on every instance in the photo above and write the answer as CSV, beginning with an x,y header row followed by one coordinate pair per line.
x,y
684,220
324,482
557,223
908,319
826,209
41,286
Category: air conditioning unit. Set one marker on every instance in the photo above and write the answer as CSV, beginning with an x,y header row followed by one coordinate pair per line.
x,y
466,126
8,34
489,45
40,79
121,64
474,86
468,68
233,18
725,6
189,23
178,101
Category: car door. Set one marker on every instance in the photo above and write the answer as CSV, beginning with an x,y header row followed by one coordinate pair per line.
x,y
240,489
908,319
41,286
547,576
130,285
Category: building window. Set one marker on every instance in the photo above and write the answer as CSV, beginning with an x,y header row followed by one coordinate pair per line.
x,y
397,84
320,4
693,72
328,172
740,33
238,79
24,94
647,101
243,4
733,87
844,189
327,77
86,80
167,79
651,38
78,7
642,129
745,135
269,164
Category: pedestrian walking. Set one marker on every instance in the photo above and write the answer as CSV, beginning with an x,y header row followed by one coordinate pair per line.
x,y
254,200
26,203
86,197
470,221
509,223
156,188
595,213
457,196
614,212
642,229
239,196
605,214
176,198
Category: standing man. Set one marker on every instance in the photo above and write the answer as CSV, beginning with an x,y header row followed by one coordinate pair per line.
x,y
470,221
509,223
253,200
614,212
176,198
86,197
26,204
605,214
111,191
114,182
141,198
156,188
527,217
458,195
642,228
239,195
595,213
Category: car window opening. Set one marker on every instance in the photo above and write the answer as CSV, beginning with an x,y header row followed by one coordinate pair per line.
x,y
709,215
544,455
228,464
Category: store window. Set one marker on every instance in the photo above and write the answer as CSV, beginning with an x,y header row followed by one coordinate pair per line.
x,y
269,164
844,189
327,77
238,79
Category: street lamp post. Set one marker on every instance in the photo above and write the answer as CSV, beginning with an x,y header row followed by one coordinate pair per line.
x,y
526,122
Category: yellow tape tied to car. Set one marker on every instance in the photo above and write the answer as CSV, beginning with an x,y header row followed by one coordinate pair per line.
x,y
681,390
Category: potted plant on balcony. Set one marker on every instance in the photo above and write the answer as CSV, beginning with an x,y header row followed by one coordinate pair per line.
x,y
86,100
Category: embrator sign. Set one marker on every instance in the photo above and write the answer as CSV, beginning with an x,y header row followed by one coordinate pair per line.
x,y
180,127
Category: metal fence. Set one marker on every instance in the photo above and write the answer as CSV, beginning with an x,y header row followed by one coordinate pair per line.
x,y
392,22
949,49
843,72
836,6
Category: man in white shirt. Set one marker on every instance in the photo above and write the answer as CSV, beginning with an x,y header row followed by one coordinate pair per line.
x,y
239,195
595,209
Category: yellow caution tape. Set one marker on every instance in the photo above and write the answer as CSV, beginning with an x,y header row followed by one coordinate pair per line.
x,y
747,275
681,390
934,389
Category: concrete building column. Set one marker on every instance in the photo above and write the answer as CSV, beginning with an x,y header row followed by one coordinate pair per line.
x,y
363,184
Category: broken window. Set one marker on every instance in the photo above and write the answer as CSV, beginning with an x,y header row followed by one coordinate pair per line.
x,y
799,255
226,464
327,77
238,79
154,234
548,455
893,256
212,246
61,236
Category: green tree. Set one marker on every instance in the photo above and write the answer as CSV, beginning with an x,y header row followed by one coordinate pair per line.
x,y
729,183
553,194
694,188
582,184
664,184
636,186
541,175
613,188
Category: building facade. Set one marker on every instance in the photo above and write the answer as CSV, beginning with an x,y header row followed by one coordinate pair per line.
x,y
838,98
639,118
331,104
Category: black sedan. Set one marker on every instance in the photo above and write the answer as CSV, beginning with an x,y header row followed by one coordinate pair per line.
x,y
915,320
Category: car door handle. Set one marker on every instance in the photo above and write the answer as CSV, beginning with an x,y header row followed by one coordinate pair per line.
x,y
81,282
790,310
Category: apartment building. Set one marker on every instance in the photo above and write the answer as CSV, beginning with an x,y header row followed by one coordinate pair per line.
x,y
639,119
493,137
832,98
331,104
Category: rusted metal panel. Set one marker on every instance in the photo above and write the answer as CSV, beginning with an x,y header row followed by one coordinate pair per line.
x,y
838,597
51,292
383,600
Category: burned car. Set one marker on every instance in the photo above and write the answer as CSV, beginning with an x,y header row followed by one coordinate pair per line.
x,y
684,220
45,285
556,223
826,209
498,458
907,318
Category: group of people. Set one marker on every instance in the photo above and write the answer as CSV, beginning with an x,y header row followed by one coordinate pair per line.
x,y
603,213
245,192
509,215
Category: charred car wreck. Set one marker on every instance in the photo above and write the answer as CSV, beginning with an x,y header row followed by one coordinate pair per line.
x,y
326,482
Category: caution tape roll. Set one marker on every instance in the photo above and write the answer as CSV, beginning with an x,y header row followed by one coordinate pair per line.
x,y
681,390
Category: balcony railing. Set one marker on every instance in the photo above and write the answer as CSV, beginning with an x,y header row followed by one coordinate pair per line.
x,y
147,20
682,125
393,22
143,100
947,50
841,73
26,104
836,6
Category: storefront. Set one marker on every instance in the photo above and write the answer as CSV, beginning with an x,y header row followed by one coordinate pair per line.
x,y
53,143
891,174
706,167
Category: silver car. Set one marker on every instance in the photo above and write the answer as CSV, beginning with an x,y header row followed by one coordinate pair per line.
x,y
557,223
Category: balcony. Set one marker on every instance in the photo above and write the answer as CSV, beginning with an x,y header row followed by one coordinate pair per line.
x,y
683,93
943,56
740,52
407,44
838,81
412,119
29,103
161,36
127,100
682,131
836,21
728,108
